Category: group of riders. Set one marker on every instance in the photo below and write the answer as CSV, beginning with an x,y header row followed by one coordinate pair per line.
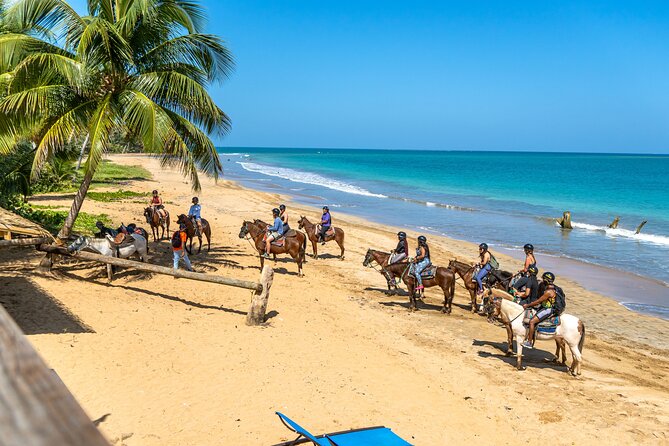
x,y
524,287
194,213
280,227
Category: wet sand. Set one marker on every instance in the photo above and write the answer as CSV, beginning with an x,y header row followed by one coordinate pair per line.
x,y
170,362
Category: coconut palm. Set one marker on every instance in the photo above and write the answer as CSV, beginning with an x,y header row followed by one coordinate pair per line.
x,y
136,66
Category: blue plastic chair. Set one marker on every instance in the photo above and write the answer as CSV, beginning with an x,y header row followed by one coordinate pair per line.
x,y
371,436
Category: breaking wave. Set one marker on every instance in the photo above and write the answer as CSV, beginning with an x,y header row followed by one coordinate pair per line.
x,y
660,240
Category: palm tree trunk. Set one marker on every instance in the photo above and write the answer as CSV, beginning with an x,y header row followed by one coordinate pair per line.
x,y
83,149
76,207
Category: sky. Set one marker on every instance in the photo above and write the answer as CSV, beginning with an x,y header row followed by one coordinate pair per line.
x,y
589,76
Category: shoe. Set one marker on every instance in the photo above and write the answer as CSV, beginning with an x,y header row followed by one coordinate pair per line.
x,y
527,345
265,255
420,288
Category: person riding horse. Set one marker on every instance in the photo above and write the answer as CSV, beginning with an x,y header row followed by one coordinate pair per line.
x,y
421,261
547,302
284,218
274,232
526,289
194,214
484,267
326,223
530,260
401,251
157,205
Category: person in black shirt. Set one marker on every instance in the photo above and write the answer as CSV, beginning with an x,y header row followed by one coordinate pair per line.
x,y
526,289
401,251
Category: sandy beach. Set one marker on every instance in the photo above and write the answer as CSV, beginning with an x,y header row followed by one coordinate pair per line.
x,y
170,362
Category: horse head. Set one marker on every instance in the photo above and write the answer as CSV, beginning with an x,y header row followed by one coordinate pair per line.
x,y
369,257
244,231
148,214
300,222
78,244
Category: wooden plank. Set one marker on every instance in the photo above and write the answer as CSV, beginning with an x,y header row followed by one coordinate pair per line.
x,y
24,242
36,409
255,286
256,313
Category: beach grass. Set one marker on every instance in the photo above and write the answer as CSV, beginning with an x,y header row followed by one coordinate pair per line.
x,y
118,195
52,220
112,173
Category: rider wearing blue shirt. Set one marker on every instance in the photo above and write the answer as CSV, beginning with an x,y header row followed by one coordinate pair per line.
x,y
273,232
194,213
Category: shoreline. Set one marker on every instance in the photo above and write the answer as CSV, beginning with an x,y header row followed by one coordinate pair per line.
x,y
172,363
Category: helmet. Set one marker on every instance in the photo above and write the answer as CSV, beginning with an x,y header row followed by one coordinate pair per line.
x,y
528,247
548,277
533,270
483,246
325,208
282,207
275,211
195,200
402,234
155,191
99,223
422,239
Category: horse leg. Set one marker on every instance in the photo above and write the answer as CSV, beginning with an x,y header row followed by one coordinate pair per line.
x,y
519,355
509,339
341,246
472,298
199,238
315,249
207,233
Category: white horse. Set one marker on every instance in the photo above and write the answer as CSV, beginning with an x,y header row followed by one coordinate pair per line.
x,y
106,247
571,331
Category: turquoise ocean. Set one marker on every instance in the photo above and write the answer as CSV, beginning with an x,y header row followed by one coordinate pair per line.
x,y
506,199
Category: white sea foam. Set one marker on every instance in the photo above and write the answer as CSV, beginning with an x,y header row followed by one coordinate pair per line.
x,y
430,204
298,176
660,240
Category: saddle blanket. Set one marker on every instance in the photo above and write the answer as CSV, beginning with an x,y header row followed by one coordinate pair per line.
x,y
122,240
329,232
547,326
279,242
427,273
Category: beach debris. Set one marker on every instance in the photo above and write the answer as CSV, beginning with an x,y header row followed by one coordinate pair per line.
x,y
565,221
614,223
638,228
256,313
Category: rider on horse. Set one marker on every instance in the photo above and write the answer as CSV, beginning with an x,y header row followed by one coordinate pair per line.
x,y
484,266
526,289
401,251
530,260
194,214
157,205
547,302
273,232
326,223
421,261
284,218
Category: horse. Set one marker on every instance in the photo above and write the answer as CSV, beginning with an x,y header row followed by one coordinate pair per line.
x,y
444,278
310,229
106,247
190,232
381,258
497,279
153,218
294,246
571,331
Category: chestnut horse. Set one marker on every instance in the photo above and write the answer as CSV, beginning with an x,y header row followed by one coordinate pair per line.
x,y
444,278
153,219
381,258
294,246
191,230
498,279
312,233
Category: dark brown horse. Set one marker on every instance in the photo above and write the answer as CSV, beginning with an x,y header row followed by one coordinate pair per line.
x,y
381,258
498,279
444,278
312,233
295,245
191,232
153,219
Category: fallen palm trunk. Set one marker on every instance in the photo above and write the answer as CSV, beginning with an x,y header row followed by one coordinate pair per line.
x,y
24,242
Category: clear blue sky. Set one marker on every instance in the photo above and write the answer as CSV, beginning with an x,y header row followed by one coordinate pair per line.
x,y
496,75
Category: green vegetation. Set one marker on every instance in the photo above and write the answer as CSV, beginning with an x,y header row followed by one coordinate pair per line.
x,y
111,173
131,75
115,196
52,220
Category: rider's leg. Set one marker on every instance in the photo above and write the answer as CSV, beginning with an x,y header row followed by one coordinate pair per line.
x,y
268,242
480,276
420,266
199,225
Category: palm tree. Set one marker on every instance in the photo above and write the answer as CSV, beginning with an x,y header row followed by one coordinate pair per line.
x,y
136,66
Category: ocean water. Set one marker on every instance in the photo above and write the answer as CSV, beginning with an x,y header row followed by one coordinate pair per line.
x,y
506,199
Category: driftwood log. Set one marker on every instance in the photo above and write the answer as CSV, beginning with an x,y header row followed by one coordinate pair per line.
x,y
24,242
140,266
638,228
258,308
36,408
614,223
565,221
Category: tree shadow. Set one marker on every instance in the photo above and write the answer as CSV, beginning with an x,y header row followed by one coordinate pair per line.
x,y
35,310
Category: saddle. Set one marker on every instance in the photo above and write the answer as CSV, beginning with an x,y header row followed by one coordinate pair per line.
x,y
547,326
280,241
427,273
290,233
329,232
121,240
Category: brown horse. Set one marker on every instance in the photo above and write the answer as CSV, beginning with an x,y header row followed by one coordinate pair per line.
x,y
381,258
153,219
295,246
191,232
444,278
498,279
310,228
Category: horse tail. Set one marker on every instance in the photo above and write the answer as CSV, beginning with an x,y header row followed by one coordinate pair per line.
x,y
581,327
